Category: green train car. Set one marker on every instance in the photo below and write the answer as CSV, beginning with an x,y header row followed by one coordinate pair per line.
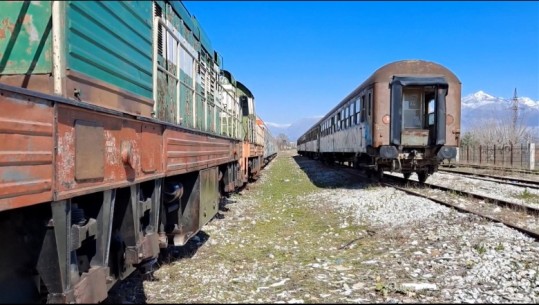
x,y
120,132
102,52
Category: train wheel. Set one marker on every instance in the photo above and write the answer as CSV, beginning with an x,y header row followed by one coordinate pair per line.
x,y
407,175
422,176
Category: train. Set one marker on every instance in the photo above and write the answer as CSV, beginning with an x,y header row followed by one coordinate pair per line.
x,y
120,132
404,118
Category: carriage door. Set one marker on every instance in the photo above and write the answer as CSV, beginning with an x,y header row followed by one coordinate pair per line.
x,y
430,119
418,111
369,111
414,132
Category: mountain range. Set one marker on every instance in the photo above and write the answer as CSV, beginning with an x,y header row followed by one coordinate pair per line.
x,y
475,108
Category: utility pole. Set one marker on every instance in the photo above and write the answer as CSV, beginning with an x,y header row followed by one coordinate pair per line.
x,y
515,109
515,117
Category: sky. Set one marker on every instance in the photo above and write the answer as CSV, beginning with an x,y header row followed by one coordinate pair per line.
x,y
301,58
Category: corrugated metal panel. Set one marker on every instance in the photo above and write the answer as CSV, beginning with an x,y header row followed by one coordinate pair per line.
x,y
188,151
111,41
26,153
25,47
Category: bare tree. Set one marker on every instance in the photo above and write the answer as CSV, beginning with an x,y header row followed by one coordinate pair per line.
x,y
500,131
282,141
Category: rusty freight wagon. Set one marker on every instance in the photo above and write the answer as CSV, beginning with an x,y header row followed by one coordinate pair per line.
x,y
119,131
404,118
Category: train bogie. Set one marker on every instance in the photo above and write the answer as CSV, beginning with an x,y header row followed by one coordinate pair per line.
x,y
404,118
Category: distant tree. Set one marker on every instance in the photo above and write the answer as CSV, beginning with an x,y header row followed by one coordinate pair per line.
x,y
282,141
468,139
500,131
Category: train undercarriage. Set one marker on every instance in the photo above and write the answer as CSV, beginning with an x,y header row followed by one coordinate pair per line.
x,y
75,250
423,161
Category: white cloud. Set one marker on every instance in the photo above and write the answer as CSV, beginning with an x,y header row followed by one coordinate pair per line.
x,y
277,125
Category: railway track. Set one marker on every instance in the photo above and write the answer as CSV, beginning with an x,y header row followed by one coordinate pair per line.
x,y
533,184
507,212
523,218
496,168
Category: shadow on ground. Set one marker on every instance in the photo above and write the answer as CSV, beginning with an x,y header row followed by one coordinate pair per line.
x,y
333,176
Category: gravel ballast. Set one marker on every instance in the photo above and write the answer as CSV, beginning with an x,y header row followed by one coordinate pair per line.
x,y
304,233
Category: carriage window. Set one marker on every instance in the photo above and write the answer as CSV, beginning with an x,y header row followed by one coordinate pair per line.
x,y
363,108
351,114
346,114
431,106
369,113
411,109
356,112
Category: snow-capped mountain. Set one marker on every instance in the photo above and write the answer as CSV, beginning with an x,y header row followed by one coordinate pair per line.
x,y
480,99
481,105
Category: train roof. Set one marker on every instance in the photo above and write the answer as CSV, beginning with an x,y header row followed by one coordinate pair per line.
x,y
192,23
404,68
229,76
398,68
243,88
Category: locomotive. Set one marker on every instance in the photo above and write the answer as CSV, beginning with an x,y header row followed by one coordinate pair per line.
x,y
404,118
120,131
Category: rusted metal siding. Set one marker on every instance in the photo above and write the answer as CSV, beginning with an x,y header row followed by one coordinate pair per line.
x,y
381,97
244,165
111,41
26,153
25,37
453,112
256,150
381,102
124,151
188,151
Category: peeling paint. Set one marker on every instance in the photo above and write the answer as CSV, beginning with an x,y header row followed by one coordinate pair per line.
x,y
66,159
25,36
135,152
112,153
6,24
33,35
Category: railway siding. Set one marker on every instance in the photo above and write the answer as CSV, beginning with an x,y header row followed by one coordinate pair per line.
x,y
309,233
518,194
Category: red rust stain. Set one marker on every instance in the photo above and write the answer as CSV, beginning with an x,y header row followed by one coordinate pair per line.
x,y
8,25
2,34
27,19
66,159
